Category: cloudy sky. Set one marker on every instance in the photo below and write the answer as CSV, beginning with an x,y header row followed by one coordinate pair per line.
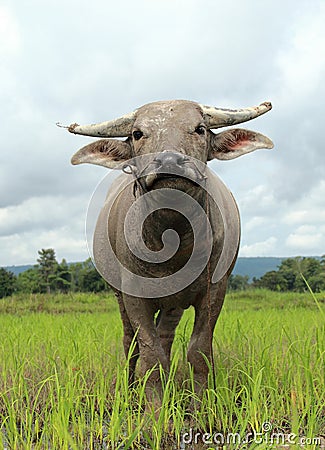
x,y
81,61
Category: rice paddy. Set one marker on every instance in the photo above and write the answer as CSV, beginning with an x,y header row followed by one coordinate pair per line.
x,y
63,382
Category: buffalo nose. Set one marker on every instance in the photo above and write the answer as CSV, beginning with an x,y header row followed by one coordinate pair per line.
x,y
170,160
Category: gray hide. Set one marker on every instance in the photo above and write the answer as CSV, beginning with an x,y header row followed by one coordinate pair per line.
x,y
167,133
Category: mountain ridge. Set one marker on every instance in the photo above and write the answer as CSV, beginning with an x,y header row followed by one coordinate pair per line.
x,y
252,266
256,266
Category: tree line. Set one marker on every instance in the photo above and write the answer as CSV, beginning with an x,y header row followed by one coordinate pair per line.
x,y
50,276
293,274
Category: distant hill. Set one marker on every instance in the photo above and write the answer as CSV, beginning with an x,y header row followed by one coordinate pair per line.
x,y
256,266
18,269
251,266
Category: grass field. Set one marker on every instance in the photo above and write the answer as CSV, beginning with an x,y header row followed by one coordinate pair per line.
x,y
63,382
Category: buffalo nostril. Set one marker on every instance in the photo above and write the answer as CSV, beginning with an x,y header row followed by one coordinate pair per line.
x,y
170,159
158,161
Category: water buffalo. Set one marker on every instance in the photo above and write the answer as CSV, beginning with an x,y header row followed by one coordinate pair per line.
x,y
164,156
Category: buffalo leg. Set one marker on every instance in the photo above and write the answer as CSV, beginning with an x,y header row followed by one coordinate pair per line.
x,y
128,337
168,321
207,311
141,314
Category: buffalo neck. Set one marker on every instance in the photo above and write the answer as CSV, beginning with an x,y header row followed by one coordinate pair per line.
x,y
183,214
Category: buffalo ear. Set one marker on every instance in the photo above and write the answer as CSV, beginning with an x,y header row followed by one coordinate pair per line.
x,y
235,142
110,153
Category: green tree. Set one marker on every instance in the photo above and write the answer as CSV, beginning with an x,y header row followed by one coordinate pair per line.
x,y
63,277
288,270
272,280
238,282
292,273
48,266
317,282
85,278
76,275
30,281
8,282
313,272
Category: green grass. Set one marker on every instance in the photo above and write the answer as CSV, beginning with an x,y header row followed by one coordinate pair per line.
x,y
63,382
58,304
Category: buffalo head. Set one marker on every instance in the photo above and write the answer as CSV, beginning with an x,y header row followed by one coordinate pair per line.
x,y
172,135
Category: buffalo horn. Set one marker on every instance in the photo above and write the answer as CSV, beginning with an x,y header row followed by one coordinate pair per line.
x,y
120,127
219,117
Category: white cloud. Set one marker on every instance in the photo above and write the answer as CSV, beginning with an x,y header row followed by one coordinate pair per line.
x,y
10,40
39,213
259,199
72,61
303,64
296,216
254,222
43,222
22,248
307,237
307,215
264,248
304,216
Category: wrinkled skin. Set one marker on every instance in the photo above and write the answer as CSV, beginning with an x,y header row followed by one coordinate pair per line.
x,y
176,127
155,339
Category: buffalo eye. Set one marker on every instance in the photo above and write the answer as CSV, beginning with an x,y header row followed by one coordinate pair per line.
x,y
200,129
137,134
